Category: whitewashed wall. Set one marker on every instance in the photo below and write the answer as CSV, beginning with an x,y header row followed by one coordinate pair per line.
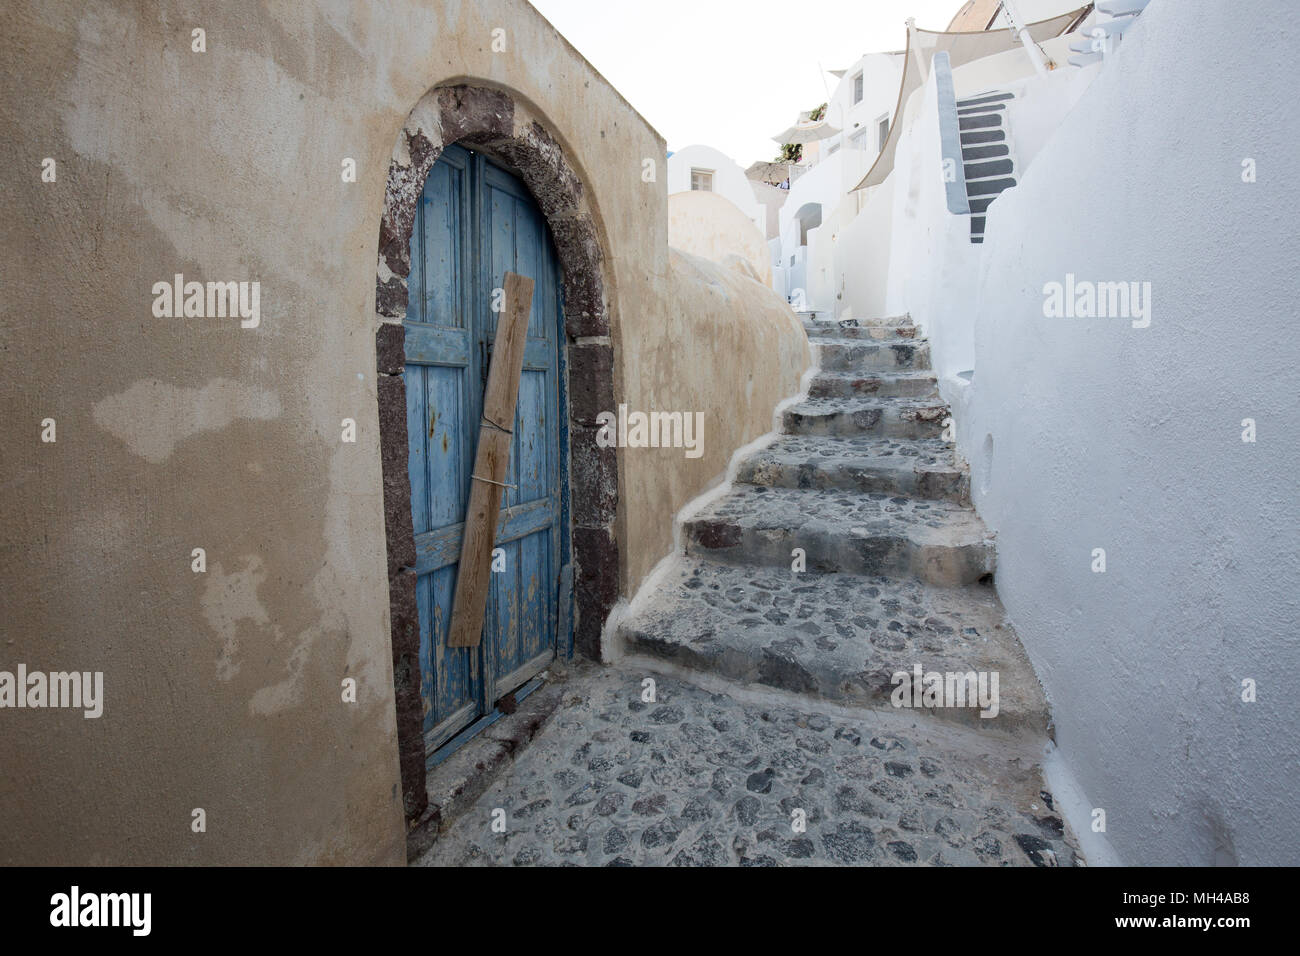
x,y
881,75
824,185
932,264
861,255
1089,433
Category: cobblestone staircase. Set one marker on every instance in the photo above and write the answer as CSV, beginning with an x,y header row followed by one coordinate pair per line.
x,y
770,739
897,566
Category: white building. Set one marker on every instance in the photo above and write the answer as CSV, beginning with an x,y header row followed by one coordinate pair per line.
x,y
860,112
714,211
701,168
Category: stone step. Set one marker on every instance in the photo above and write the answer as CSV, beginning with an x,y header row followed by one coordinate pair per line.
x,y
938,542
879,333
890,321
885,417
838,637
850,355
906,384
919,469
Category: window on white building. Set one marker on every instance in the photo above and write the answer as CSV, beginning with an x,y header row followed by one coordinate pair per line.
x,y
882,134
857,88
858,140
702,180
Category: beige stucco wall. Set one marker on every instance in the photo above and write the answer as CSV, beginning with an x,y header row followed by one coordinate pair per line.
x,y
223,689
726,346
710,225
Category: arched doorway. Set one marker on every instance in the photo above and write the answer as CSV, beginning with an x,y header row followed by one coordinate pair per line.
x,y
476,221
808,217
509,137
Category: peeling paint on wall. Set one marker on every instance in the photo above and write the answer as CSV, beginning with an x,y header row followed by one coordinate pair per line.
x,y
229,599
152,417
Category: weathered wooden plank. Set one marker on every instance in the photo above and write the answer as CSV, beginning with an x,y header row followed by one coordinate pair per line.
x,y
416,377
433,345
491,463
440,548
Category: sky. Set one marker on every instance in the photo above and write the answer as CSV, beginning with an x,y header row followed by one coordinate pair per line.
x,y
733,73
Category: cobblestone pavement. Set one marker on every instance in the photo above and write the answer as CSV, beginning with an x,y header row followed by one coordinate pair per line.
x,y
706,779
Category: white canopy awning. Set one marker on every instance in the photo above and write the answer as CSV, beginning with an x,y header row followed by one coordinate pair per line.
x,y
806,131
961,48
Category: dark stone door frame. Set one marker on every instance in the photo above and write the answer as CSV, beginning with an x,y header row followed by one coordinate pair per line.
x,y
492,121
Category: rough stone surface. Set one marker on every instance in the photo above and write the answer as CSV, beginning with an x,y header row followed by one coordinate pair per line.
x,y
842,355
836,636
816,327
399,532
405,183
580,258
705,779
475,114
391,297
541,163
894,417
593,479
390,348
919,383
405,630
938,541
584,313
453,785
591,374
595,585
880,333
922,468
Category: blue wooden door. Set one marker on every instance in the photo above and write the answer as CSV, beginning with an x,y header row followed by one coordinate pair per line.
x,y
475,222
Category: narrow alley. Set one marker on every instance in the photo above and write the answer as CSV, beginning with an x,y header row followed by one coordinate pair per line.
x,y
847,551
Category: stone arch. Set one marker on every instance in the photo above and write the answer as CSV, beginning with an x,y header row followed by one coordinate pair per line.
x,y
499,124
